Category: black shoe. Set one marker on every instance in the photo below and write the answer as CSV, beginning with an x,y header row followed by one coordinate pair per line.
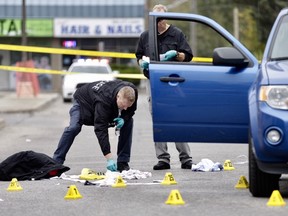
x,y
161,166
122,166
187,165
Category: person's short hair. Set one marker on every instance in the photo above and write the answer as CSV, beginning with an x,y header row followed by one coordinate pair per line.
x,y
128,93
159,8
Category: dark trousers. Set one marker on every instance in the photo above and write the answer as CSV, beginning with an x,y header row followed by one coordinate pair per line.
x,y
74,128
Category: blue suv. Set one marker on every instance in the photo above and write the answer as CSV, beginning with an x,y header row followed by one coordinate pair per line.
x,y
268,105
229,99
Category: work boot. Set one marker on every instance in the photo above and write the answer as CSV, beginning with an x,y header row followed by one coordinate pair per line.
x,y
187,165
122,166
161,165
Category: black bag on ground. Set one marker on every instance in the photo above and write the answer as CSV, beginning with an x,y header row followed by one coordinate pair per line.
x,y
28,165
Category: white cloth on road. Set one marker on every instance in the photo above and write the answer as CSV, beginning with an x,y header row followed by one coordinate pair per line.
x,y
135,174
207,165
110,177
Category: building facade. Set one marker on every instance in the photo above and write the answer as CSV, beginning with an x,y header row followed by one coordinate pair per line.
x,y
98,25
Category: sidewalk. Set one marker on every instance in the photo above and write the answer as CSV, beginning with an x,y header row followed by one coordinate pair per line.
x,y
10,103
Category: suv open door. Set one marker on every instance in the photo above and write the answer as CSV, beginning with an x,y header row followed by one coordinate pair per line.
x,y
206,100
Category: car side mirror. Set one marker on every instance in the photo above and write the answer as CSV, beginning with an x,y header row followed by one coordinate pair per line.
x,y
228,56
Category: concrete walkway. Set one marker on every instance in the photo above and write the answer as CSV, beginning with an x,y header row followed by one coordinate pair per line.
x,y
11,103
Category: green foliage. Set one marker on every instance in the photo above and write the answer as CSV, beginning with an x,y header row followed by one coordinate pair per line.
x,y
126,69
255,17
261,16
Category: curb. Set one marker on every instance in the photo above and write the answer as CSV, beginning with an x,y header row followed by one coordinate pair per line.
x,y
12,104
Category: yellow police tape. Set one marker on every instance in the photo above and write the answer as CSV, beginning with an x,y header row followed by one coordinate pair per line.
x,y
65,51
78,52
39,70
73,52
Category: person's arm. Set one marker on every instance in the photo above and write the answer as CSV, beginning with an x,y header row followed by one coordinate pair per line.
x,y
184,52
101,124
108,156
111,165
180,56
140,49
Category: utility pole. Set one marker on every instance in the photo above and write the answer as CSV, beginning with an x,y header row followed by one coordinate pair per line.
x,y
176,4
236,22
193,32
23,30
147,10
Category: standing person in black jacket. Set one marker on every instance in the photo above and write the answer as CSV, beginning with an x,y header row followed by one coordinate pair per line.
x,y
102,104
173,46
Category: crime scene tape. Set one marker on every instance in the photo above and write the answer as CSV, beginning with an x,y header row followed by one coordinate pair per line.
x,y
79,52
21,48
65,51
39,70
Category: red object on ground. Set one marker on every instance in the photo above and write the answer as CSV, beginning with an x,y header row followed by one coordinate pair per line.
x,y
27,84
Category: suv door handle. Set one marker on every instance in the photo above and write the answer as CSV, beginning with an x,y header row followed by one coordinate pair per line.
x,y
172,79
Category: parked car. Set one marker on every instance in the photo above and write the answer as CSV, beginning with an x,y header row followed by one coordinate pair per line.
x,y
84,71
268,106
230,99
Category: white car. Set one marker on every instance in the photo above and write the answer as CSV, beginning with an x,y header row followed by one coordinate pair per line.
x,y
85,71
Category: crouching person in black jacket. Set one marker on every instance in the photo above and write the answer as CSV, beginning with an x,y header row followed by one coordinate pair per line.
x,y
102,104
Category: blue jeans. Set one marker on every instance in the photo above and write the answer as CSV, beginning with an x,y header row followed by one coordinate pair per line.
x,y
69,133
74,128
161,148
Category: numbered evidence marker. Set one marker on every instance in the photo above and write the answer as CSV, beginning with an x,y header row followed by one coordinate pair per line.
x,y
73,193
242,183
175,198
14,185
119,182
228,165
276,199
168,179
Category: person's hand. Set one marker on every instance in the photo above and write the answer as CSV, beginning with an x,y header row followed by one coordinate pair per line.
x,y
111,165
144,64
169,55
119,122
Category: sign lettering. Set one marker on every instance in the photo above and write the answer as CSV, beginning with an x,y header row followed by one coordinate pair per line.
x,y
34,27
128,27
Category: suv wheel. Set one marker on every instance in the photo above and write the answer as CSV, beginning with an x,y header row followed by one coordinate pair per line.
x,y
261,184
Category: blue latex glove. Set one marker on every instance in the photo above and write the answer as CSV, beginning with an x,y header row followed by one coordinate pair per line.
x,y
144,64
169,55
111,165
119,122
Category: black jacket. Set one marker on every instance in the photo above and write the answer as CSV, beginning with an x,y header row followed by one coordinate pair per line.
x,y
98,107
172,39
28,165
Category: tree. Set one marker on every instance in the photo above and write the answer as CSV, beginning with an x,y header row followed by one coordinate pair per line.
x,y
256,18
263,15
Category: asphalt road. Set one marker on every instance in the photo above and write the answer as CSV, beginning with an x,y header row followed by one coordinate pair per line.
x,y
204,193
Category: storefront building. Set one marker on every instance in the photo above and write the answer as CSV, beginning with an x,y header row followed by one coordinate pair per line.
x,y
98,25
